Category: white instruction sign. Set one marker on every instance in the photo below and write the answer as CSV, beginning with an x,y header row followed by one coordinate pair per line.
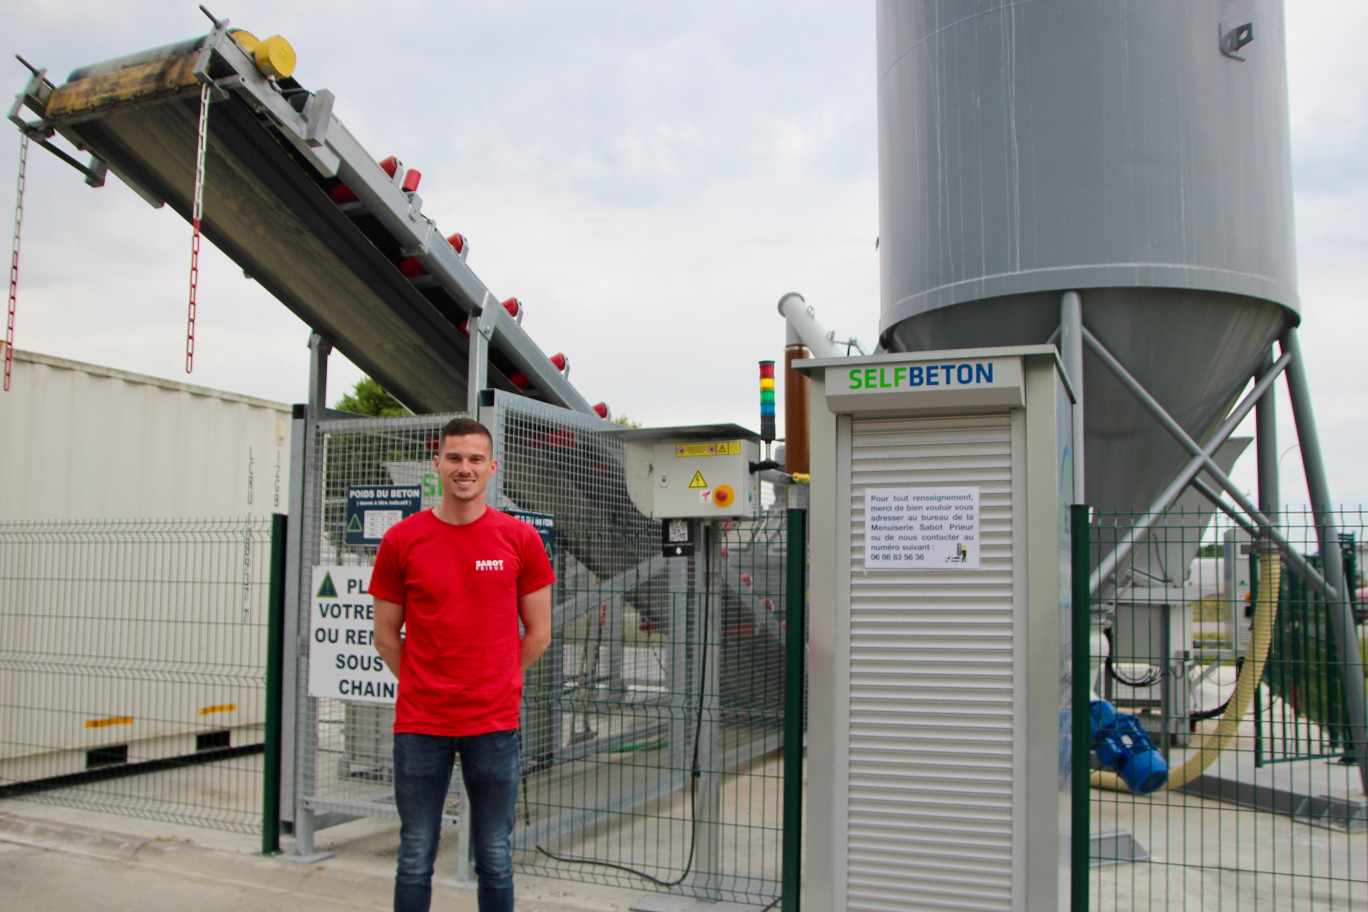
x,y
343,663
922,528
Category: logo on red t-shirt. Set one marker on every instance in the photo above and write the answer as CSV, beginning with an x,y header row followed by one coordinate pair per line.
x,y
489,565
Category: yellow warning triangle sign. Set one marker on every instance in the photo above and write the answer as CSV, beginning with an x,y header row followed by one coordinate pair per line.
x,y
698,481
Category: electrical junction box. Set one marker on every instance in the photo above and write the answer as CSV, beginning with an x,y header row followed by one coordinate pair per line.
x,y
698,472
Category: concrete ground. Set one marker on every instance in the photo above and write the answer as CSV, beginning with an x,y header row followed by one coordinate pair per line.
x,y
56,859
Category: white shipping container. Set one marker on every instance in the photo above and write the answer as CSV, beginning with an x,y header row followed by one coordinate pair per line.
x,y
129,645
79,441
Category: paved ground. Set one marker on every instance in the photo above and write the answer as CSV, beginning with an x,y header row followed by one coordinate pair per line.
x,y
62,860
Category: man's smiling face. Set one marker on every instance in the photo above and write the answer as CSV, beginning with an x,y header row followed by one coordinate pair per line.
x,y
465,465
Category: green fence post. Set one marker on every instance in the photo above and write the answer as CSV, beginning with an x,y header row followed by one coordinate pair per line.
x,y
275,638
1082,708
795,667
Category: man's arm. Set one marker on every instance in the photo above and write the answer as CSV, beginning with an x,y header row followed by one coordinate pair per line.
x,y
389,619
535,611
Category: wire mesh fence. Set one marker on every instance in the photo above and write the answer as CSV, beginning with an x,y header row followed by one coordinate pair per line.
x,y
1223,653
132,658
651,727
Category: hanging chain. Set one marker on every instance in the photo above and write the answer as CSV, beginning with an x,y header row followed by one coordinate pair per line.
x,y
14,259
203,143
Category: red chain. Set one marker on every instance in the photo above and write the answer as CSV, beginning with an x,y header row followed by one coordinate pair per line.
x,y
196,213
14,261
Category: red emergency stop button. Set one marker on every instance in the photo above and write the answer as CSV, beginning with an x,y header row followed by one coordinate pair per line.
x,y
723,496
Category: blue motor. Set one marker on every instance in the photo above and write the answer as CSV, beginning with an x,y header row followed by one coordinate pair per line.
x,y
1122,744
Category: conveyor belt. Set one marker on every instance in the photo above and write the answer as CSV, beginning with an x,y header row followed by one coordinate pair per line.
x,y
274,151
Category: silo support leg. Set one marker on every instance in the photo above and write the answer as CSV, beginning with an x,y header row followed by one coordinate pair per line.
x,y
1071,353
1341,618
1266,435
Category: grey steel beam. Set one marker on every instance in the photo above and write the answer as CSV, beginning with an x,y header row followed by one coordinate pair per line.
x,y
706,768
1266,449
480,328
1201,461
1216,499
1071,353
1332,560
319,349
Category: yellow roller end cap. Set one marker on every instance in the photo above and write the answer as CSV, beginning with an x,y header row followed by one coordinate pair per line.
x,y
275,57
245,39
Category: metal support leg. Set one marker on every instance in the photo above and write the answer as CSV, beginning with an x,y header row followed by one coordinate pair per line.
x,y
1341,617
298,567
678,645
481,328
319,349
1071,352
465,861
708,859
1266,448
617,683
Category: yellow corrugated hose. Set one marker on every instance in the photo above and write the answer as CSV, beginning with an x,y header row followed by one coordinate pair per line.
x,y
1211,745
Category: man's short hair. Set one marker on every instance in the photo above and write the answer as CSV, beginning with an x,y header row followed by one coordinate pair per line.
x,y
464,427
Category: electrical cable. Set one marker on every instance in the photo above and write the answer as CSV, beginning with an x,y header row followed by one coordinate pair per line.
x,y
694,771
1203,714
1151,678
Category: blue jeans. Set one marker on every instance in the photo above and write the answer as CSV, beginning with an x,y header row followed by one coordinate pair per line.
x,y
422,775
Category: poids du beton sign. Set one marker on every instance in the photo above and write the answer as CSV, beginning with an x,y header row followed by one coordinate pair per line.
x,y
343,663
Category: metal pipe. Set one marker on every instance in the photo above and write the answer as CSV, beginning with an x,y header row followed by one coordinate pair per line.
x,y
803,319
1071,352
706,878
1332,560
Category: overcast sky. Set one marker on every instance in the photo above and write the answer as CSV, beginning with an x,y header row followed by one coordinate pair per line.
x,y
648,178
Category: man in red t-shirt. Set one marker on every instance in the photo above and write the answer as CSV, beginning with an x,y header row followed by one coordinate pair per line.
x,y
456,580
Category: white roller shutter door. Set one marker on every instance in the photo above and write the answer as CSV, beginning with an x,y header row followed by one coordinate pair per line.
x,y
932,683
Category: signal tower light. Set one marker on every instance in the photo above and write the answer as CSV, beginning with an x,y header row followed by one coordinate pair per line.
x,y
767,401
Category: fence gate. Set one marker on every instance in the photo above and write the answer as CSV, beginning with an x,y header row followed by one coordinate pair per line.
x,y
651,727
342,751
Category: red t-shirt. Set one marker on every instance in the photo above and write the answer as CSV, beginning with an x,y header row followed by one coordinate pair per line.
x,y
461,668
